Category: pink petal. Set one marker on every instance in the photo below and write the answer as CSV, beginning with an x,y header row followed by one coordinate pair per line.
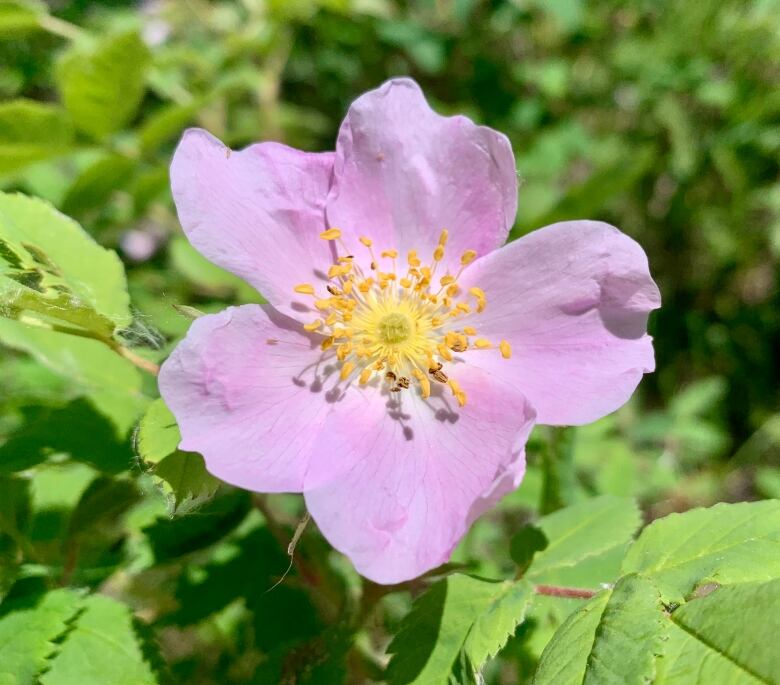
x,y
257,212
403,173
247,394
573,300
417,476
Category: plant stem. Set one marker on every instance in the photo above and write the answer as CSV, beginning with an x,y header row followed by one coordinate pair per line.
x,y
137,360
60,27
570,592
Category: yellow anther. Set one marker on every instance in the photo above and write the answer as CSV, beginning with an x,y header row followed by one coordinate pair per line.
x,y
443,237
469,330
453,290
463,307
436,321
506,349
425,384
345,260
365,286
426,272
438,253
482,343
366,241
412,258
327,343
332,318
450,339
343,350
347,316
337,270
348,285
446,280
467,257
346,369
392,254
389,276
323,304
444,352
304,289
457,392
405,283
365,374
477,292
313,326
331,234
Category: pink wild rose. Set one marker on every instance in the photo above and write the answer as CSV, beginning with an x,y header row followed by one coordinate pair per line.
x,y
405,354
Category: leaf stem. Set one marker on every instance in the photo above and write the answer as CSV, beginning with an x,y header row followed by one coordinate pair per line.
x,y
137,360
570,592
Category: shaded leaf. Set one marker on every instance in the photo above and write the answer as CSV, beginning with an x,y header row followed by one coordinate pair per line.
x,y
95,184
112,384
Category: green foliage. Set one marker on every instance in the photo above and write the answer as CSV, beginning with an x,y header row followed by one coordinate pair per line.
x,y
31,131
459,619
103,84
181,475
728,543
55,270
102,646
29,629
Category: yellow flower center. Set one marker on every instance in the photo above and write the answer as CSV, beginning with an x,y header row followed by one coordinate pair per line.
x,y
401,328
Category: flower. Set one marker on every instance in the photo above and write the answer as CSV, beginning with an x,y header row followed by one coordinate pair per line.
x,y
404,355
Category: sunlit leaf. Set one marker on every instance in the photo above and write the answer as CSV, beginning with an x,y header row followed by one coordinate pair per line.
x,y
102,647
103,84
28,629
727,543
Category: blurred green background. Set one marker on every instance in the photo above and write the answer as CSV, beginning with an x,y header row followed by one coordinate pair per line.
x,y
660,117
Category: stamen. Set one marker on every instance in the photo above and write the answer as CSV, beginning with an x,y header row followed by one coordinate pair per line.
x,y
331,234
396,324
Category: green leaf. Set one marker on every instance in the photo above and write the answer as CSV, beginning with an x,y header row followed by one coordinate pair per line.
x,y
14,506
727,543
50,266
171,538
17,16
726,637
581,535
112,384
181,475
165,124
158,433
31,131
612,639
28,629
103,647
186,481
76,429
444,623
103,86
565,658
95,185
497,623
524,544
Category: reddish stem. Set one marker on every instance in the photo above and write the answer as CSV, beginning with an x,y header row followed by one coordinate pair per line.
x,y
557,591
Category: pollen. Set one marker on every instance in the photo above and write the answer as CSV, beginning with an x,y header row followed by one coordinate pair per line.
x,y
401,324
331,234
